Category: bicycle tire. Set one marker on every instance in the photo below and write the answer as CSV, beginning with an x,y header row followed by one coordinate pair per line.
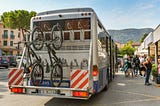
x,y
57,36
36,72
56,75
37,38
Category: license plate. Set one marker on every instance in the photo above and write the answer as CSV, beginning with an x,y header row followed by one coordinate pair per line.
x,y
46,91
50,91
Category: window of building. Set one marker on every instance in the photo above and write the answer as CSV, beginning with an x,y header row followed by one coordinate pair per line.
x,y
5,35
4,43
19,34
12,35
11,43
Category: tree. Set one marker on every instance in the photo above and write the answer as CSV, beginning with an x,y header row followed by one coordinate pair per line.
x,y
127,49
17,19
144,36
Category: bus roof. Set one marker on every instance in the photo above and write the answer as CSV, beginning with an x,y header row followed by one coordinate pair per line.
x,y
66,11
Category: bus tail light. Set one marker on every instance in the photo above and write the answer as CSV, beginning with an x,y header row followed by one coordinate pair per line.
x,y
17,90
80,94
95,70
95,73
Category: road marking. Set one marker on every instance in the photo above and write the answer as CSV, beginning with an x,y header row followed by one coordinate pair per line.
x,y
121,84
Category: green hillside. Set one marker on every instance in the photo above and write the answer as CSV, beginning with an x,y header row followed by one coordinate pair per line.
x,y
126,35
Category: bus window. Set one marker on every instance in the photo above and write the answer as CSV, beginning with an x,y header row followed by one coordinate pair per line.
x,y
66,36
87,35
48,36
76,35
107,44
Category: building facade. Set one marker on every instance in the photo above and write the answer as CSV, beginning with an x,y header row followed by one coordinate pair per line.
x,y
152,44
9,39
119,45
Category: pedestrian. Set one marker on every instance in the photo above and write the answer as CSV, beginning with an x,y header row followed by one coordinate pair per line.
x,y
158,70
127,67
148,66
142,70
136,62
159,66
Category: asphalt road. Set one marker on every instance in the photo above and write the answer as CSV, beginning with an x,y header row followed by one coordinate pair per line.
x,y
3,74
122,92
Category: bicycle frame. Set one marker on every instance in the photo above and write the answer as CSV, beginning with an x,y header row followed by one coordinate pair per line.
x,y
38,59
52,55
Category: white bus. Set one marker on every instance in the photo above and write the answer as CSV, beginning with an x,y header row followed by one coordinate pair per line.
x,y
87,51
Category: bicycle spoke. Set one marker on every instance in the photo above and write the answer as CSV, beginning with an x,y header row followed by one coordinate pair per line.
x,y
37,74
56,75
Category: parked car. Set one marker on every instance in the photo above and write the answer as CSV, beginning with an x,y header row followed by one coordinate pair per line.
x,y
7,61
4,61
12,61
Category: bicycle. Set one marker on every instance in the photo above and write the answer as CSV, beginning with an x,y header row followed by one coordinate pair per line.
x,y
55,66
56,36
34,63
31,64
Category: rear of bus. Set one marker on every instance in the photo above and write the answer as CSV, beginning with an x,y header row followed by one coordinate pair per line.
x,y
76,52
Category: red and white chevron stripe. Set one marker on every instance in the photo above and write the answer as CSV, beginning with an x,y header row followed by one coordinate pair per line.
x,y
79,79
15,77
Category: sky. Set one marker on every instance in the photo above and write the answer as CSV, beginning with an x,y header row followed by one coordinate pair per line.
x,y
114,14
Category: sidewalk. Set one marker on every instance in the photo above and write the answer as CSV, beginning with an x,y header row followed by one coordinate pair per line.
x,y
141,77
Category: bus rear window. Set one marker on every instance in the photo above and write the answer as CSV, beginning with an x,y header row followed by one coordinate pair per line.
x,y
87,35
71,28
76,35
66,36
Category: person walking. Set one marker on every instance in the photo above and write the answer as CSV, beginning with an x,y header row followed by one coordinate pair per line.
x,y
127,67
136,62
148,66
142,70
158,71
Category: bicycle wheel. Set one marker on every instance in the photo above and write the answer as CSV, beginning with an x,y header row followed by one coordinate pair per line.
x,y
37,74
56,75
57,36
37,38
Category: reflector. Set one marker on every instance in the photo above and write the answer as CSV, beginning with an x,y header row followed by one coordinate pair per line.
x,y
95,71
80,94
17,90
